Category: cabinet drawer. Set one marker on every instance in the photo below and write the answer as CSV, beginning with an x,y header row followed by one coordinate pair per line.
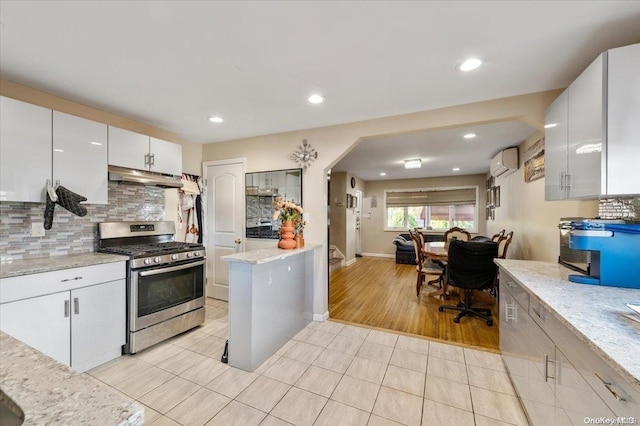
x,y
616,392
515,289
33,285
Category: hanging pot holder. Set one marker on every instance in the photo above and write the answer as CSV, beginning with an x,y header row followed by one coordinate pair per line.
x,y
71,201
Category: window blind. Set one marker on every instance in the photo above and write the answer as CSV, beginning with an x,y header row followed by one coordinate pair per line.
x,y
444,197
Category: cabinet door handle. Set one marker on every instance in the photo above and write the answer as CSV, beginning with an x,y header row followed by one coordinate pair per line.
x,y
71,279
511,312
146,159
537,312
608,386
152,159
76,306
568,180
511,284
546,368
66,309
561,180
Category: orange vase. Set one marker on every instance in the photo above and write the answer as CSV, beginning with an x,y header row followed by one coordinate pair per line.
x,y
287,240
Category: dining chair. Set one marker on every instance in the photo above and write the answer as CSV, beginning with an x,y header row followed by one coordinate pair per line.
x,y
499,235
471,267
503,245
458,233
424,266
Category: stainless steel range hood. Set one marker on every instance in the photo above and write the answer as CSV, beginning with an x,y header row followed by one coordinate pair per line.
x,y
122,174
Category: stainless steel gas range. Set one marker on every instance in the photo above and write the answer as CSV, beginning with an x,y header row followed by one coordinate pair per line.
x,y
165,280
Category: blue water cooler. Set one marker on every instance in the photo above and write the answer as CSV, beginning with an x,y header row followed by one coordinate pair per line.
x,y
615,253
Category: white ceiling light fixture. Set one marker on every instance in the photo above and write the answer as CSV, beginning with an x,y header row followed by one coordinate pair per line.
x,y
550,125
413,164
456,169
470,136
383,174
470,64
215,119
316,99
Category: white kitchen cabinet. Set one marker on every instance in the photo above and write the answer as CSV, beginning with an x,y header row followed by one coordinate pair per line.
x,y
80,156
141,152
592,130
41,322
128,149
166,157
559,379
81,323
25,150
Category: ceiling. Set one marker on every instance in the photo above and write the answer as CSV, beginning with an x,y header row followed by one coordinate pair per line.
x,y
439,150
172,64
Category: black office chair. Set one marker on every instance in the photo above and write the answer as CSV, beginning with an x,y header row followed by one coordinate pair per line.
x,y
471,267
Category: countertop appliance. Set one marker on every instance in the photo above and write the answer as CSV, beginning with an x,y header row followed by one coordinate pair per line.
x,y
617,263
165,280
578,260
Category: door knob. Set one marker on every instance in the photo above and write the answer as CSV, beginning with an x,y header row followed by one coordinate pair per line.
x,y
238,241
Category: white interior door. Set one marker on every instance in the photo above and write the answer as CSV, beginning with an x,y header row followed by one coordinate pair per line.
x,y
225,221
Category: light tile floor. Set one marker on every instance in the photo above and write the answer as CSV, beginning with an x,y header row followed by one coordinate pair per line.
x,y
328,374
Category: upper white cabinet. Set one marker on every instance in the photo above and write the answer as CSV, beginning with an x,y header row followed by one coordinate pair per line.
x,y
128,149
38,144
142,152
80,156
593,128
25,150
166,157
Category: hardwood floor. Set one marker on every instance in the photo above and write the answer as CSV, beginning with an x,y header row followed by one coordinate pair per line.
x,y
380,293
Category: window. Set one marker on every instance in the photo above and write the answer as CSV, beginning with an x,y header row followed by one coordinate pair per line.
x,y
433,209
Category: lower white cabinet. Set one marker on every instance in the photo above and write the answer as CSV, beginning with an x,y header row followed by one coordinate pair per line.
x,y
559,379
81,327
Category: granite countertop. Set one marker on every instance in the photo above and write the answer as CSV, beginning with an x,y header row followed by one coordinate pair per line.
x,y
15,268
266,255
595,314
48,392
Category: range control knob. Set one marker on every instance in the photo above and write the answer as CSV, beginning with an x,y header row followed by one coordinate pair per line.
x,y
156,259
198,253
174,257
147,261
190,254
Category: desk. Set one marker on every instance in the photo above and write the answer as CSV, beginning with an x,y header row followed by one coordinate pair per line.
x,y
437,251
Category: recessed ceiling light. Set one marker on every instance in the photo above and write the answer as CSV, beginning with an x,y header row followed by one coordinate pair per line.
x,y
316,99
470,64
413,164
58,150
96,143
456,169
383,174
550,125
216,119
469,136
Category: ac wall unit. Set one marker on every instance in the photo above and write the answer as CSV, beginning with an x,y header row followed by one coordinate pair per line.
x,y
505,162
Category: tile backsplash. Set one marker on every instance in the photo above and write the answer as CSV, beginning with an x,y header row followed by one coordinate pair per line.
x,y
627,208
69,233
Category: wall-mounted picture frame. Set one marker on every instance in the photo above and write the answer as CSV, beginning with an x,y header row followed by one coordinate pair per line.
x,y
350,199
534,161
496,196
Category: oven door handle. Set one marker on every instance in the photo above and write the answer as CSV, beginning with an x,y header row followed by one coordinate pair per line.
x,y
171,268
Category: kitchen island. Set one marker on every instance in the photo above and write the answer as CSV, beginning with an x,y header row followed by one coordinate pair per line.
x,y
571,349
270,301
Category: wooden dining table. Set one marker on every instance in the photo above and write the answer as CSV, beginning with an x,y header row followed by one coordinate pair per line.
x,y
437,251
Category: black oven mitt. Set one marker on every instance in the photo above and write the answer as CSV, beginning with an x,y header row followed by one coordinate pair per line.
x,y
48,212
71,201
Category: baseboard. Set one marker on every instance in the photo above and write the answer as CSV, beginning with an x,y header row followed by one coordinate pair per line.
x,y
389,256
321,317
351,262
